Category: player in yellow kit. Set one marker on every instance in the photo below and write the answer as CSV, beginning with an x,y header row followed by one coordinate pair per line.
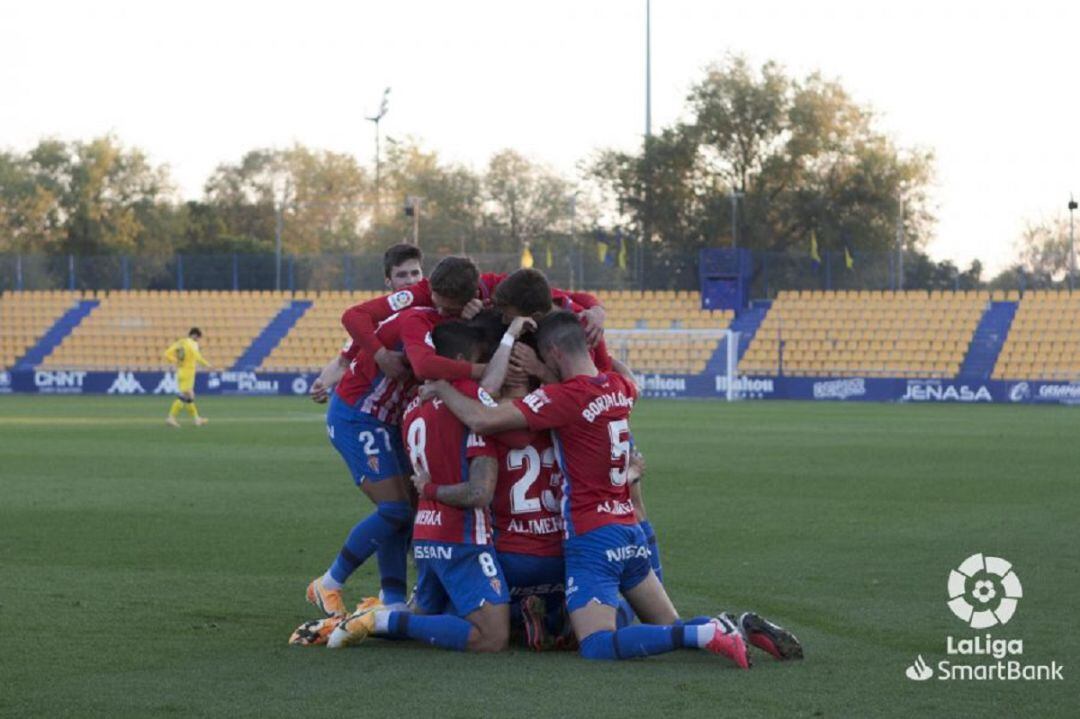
x,y
184,353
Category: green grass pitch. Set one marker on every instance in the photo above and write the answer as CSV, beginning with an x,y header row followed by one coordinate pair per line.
x,y
147,571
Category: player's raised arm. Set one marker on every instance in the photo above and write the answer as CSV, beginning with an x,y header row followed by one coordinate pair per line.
x,y
589,308
477,492
479,418
453,284
361,320
497,366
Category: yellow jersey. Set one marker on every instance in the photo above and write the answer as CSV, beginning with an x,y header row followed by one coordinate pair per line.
x,y
184,353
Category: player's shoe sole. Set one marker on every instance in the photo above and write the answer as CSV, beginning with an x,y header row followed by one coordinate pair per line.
x,y
769,637
728,642
329,601
533,610
355,628
315,632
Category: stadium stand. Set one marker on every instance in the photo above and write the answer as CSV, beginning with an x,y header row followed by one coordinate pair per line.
x,y
130,330
659,310
632,318
317,336
648,330
868,333
25,317
1044,340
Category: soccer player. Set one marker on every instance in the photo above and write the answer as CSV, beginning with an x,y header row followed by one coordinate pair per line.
x,y
461,594
184,353
363,424
529,526
361,320
605,550
402,269
526,292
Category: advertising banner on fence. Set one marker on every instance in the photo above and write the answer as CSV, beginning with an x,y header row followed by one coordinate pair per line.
x,y
152,383
673,386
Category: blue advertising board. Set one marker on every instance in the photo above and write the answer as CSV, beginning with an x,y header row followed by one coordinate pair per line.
x,y
152,383
703,386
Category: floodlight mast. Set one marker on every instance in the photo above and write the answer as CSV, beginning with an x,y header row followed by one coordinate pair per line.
x,y
383,107
1072,244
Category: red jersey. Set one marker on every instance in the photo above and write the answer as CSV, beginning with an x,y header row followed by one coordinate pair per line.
x,y
361,320
442,446
415,327
590,422
526,511
366,389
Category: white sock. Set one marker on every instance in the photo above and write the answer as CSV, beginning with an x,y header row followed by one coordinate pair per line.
x,y
329,582
382,621
700,634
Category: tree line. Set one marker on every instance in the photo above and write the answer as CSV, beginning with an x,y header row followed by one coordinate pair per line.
x,y
762,159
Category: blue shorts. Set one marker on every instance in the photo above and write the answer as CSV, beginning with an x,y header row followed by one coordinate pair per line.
x,y
457,578
373,450
603,563
528,574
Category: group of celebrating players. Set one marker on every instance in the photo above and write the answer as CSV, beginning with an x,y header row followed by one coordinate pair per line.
x,y
486,421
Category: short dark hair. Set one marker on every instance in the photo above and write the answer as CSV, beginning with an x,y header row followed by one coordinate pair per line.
x,y
396,254
455,278
562,330
492,328
194,332
457,338
526,290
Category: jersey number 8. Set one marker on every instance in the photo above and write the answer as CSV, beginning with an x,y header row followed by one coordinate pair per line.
x,y
487,565
417,444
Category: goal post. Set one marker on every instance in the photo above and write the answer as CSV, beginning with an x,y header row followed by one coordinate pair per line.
x,y
730,345
709,353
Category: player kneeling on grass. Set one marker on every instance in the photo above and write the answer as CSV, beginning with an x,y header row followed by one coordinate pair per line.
x,y
605,551
461,598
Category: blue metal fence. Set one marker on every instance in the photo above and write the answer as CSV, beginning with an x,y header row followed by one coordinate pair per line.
x,y
578,265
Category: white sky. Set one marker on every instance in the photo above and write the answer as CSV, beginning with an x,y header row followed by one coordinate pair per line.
x,y
989,86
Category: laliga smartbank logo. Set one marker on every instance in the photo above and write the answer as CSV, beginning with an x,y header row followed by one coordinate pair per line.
x,y
983,592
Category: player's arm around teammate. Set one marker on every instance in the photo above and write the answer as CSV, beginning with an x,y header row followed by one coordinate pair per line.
x,y
491,622
605,552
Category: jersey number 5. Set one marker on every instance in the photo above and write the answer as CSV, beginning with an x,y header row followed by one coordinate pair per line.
x,y
619,431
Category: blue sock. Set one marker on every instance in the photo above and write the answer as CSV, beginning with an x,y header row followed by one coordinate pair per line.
x,y
440,630
631,642
392,556
624,614
654,550
366,537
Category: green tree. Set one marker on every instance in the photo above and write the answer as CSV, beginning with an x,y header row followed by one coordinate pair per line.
x,y
801,153
323,196
83,197
1044,257
30,215
524,199
449,206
